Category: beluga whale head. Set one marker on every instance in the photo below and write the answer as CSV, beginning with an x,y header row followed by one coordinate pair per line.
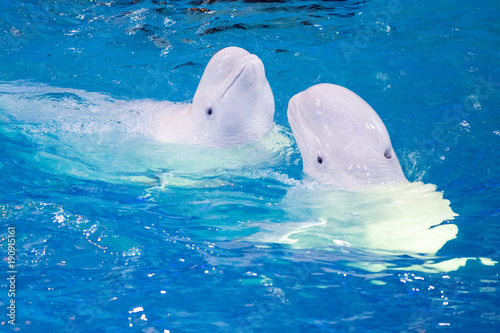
x,y
342,140
233,104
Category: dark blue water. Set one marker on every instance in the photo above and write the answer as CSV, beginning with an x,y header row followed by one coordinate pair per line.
x,y
110,237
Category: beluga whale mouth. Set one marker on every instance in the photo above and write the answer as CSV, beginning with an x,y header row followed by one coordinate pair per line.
x,y
342,140
233,80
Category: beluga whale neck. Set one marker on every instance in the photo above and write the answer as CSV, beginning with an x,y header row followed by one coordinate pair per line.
x,y
232,106
342,140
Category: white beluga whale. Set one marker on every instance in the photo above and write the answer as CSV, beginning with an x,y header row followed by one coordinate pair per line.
x,y
359,198
233,105
227,127
342,140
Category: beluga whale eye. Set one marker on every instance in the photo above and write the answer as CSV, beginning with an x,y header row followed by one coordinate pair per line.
x,y
320,159
388,154
210,111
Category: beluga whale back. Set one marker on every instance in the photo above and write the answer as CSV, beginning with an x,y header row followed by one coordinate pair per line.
x,y
342,140
232,106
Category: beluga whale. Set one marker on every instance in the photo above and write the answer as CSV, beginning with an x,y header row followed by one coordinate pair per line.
x,y
342,140
357,198
232,106
228,126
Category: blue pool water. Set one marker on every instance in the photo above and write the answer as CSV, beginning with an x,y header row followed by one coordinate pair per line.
x,y
116,233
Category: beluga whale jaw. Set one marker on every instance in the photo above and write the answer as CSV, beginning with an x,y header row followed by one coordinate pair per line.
x,y
342,140
232,106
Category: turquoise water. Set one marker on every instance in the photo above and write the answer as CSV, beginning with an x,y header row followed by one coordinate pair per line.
x,y
117,233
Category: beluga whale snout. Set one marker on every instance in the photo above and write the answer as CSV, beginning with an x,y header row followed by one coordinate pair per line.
x,y
342,140
232,106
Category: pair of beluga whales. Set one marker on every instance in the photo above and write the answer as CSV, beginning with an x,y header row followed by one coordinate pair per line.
x,y
342,140
355,196
344,145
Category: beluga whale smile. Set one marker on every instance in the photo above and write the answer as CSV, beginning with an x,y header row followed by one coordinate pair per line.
x,y
342,140
232,106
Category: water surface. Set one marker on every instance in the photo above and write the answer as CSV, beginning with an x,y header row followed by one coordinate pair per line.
x,y
114,233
